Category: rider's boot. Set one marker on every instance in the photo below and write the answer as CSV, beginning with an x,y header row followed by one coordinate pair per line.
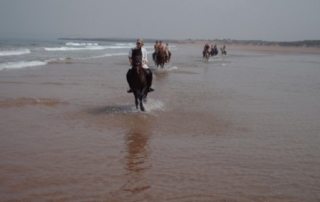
x,y
129,80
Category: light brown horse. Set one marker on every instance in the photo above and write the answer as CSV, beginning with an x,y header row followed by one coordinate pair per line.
x,y
160,58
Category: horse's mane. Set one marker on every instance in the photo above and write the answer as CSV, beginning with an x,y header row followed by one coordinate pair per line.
x,y
140,72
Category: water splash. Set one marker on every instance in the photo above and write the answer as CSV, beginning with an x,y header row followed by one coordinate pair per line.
x,y
166,69
154,105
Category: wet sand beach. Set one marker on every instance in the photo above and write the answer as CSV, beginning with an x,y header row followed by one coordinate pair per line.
x,y
241,127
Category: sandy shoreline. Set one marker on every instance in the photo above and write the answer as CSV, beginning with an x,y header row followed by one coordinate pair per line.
x,y
276,49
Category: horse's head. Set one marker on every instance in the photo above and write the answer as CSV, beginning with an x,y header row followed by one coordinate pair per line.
x,y
137,68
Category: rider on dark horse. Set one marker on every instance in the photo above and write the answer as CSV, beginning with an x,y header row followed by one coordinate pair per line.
x,y
214,50
138,56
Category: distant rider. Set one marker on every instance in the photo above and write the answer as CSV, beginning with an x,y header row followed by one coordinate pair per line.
x,y
206,49
214,50
223,50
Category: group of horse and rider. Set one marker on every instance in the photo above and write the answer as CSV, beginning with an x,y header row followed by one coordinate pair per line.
x,y
212,50
161,54
139,76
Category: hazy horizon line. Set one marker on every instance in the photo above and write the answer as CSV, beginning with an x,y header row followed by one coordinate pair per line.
x,y
296,43
150,39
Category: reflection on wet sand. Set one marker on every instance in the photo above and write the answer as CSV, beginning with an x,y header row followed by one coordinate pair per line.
x,y
137,156
24,101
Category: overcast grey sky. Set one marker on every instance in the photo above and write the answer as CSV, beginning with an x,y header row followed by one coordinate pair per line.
x,y
279,20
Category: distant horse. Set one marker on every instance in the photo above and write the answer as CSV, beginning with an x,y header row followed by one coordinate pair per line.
x,y
214,51
206,55
223,50
139,85
160,58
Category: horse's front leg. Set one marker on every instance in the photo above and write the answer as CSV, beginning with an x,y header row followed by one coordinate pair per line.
x,y
136,99
141,105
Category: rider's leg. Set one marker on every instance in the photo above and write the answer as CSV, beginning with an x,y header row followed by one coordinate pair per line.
x,y
129,80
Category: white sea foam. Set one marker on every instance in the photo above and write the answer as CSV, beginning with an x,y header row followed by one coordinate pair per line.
x,y
104,55
14,52
75,46
81,44
81,48
118,47
21,64
65,48
125,44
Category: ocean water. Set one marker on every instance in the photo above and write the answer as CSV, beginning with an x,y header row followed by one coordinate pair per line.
x,y
27,53
242,127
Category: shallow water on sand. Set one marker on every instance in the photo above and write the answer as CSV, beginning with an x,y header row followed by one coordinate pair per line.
x,y
244,127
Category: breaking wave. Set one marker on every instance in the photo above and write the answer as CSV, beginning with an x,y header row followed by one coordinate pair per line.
x,y
81,44
21,64
65,48
104,55
14,52
74,46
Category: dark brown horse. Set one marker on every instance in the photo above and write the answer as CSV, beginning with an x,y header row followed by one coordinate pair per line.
x,y
139,85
